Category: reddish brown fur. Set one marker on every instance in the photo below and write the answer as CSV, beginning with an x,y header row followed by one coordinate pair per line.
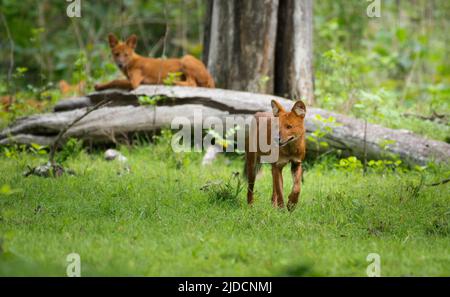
x,y
141,70
67,88
5,102
292,149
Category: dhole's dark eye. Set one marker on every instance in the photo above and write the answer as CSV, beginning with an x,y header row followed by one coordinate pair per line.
x,y
288,127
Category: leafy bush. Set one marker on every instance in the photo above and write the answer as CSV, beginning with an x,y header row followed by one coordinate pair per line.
x,y
71,149
227,191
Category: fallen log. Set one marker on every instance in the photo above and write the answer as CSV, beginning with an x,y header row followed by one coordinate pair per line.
x,y
125,116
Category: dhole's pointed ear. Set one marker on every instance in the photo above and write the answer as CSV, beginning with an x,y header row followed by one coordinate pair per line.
x,y
132,41
276,108
112,40
299,108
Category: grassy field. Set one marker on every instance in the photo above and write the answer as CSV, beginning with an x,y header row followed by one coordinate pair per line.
x,y
157,220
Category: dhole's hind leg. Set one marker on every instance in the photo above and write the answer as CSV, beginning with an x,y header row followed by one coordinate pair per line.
x,y
297,172
277,178
274,198
250,171
189,82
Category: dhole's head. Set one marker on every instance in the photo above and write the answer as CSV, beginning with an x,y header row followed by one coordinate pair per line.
x,y
122,52
291,123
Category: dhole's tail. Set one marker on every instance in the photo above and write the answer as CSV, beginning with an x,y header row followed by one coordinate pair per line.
x,y
257,167
192,67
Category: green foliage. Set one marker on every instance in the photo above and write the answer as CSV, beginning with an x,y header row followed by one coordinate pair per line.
x,y
227,140
10,152
379,69
48,43
350,163
162,146
20,72
79,72
151,100
38,149
6,190
225,191
383,165
172,78
374,166
324,127
18,150
71,149
43,92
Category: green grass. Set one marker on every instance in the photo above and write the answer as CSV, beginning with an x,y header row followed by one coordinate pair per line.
x,y
156,221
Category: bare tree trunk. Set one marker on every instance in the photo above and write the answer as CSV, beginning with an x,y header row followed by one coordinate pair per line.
x,y
294,51
294,71
207,31
261,46
240,39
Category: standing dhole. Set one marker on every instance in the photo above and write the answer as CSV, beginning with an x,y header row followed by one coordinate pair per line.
x,y
141,70
291,148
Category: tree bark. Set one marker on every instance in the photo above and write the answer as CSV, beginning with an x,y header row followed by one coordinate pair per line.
x,y
239,47
126,117
261,46
294,51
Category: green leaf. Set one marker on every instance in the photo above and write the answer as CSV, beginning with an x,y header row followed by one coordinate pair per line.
x,y
36,146
7,190
401,34
324,144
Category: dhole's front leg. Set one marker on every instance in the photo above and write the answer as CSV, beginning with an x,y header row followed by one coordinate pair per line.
x,y
277,178
115,84
127,84
296,169
135,78
250,171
